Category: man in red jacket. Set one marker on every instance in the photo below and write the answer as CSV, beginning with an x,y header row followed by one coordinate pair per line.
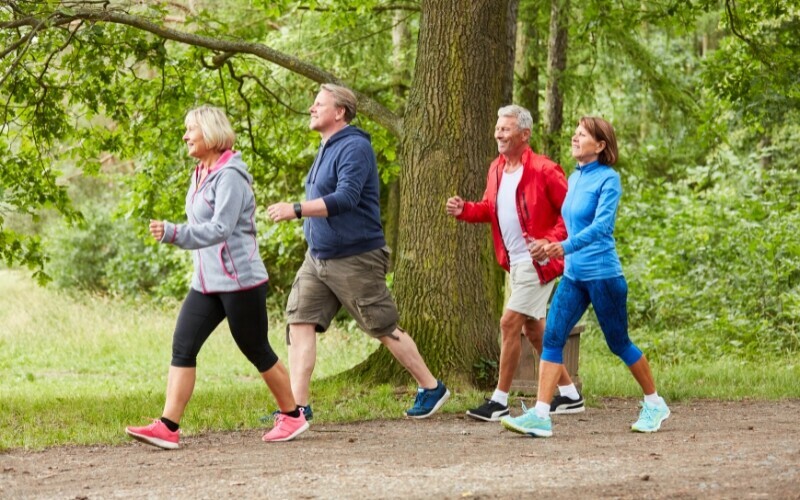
x,y
522,201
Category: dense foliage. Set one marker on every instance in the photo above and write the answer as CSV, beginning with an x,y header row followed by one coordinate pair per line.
x,y
713,260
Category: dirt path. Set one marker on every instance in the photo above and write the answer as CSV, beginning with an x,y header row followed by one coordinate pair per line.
x,y
706,449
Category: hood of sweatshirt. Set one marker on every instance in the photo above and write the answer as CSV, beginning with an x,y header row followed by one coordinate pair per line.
x,y
230,160
348,131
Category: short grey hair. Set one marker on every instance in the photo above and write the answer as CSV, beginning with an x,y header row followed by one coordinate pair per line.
x,y
217,131
343,98
523,116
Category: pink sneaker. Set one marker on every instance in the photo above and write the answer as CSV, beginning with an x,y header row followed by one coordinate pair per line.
x,y
286,428
156,434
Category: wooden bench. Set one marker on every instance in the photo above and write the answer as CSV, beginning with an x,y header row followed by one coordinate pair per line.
x,y
526,378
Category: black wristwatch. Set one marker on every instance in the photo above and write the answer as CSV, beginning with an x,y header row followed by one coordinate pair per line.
x,y
298,210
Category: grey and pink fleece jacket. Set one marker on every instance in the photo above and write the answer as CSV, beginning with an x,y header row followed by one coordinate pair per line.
x,y
221,229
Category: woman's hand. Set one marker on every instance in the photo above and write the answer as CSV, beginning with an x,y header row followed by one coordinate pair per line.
x,y
536,248
554,250
454,206
157,229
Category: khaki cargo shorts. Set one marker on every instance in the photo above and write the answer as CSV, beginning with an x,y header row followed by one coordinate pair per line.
x,y
357,283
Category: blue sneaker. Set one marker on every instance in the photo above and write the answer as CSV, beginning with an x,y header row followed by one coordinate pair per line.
x,y
529,423
305,409
651,416
428,401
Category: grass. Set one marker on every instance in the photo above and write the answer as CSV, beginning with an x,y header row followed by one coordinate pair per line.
x,y
725,378
77,369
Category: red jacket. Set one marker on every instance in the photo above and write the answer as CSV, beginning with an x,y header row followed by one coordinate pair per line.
x,y
540,193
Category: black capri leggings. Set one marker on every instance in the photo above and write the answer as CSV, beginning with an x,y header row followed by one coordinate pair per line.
x,y
247,318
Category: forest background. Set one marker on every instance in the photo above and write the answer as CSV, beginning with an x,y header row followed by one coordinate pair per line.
x,y
704,95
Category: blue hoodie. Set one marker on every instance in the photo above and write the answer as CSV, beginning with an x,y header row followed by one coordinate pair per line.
x,y
590,212
345,175
222,229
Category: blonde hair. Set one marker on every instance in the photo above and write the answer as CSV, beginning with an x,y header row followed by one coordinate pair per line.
x,y
602,131
217,131
343,98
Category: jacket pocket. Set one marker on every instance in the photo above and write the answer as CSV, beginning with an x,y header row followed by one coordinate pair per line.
x,y
226,262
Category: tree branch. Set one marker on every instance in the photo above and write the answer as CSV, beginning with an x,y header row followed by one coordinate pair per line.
x,y
732,20
240,90
36,26
378,8
368,106
13,46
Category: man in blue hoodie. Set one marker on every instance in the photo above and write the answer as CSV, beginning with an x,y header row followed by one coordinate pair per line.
x,y
347,258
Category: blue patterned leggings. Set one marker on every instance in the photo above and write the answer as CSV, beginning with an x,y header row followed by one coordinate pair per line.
x,y
609,298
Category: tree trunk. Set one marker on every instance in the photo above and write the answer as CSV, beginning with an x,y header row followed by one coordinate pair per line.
x,y
511,46
447,283
529,50
556,63
401,38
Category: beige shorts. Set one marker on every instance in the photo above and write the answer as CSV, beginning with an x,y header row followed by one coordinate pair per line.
x,y
357,283
528,295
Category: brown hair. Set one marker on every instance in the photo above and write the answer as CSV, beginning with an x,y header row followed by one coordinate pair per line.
x,y
342,98
602,131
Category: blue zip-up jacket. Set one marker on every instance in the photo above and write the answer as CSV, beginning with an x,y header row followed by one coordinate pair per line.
x,y
345,175
221,229
590,212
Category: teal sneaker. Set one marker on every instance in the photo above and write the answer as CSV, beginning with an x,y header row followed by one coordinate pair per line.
x,y
529,423
651,416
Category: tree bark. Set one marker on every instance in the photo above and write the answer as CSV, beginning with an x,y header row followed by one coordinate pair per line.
x,y
529,50
556,64
401,39
447,284
512,12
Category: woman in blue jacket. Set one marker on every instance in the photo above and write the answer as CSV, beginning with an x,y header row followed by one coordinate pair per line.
x,y
592,275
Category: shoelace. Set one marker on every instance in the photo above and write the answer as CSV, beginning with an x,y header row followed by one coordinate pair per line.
x,y
645,412
157,421
422,396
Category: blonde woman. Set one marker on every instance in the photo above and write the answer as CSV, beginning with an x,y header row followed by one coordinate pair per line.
x,y
229,280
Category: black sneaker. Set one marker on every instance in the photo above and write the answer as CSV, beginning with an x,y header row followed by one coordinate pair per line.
x,y
490,411
563,405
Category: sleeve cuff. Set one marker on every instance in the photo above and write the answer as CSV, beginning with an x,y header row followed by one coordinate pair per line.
x,y
170,233
331,205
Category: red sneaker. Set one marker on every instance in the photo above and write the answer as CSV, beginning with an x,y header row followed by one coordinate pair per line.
x,y
286,428
156,434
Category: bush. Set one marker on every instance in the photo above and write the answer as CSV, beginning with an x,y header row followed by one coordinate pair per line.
x,y
713,262
113,256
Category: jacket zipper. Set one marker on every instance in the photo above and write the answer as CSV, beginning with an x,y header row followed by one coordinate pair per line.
x,y
312,181
497,218
572,199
